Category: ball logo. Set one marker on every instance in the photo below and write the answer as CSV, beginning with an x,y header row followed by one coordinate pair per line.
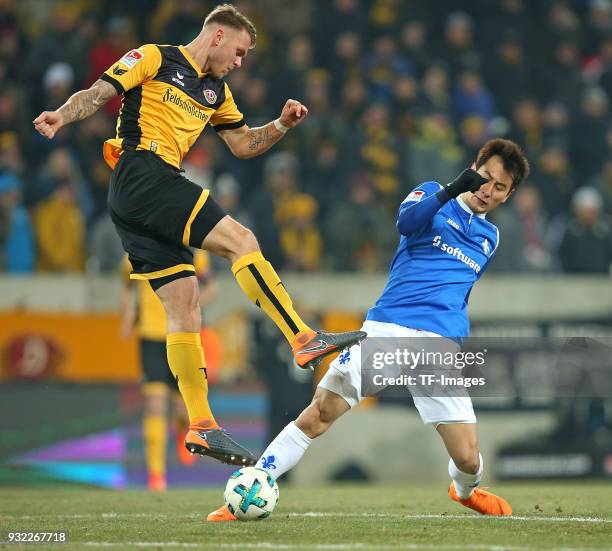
x,y
210,95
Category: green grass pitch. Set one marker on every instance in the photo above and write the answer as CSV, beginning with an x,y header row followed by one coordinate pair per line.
x,y
561,516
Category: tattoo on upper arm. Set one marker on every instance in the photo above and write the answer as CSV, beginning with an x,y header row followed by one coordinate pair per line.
x,y
86,102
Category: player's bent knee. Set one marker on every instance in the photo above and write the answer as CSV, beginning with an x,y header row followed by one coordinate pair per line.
x,y
468,460
310,421
246,242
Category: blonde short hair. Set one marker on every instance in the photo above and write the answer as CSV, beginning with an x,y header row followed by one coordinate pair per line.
x,y
229,15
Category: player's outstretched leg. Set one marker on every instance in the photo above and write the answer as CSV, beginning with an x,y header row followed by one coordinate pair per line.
x,y
186,360
465,468
286,450
260,282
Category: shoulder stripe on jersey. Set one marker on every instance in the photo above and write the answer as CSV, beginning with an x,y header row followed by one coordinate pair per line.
x,y
129,127
116,84
496,244
229,125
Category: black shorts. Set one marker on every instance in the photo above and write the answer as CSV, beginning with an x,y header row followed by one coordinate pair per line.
x,y
159,214
154,363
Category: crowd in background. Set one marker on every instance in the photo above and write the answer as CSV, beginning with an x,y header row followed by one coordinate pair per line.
x,y
399,92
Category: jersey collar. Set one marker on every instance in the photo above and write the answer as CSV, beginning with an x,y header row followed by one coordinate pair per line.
x,y
467,209
192,62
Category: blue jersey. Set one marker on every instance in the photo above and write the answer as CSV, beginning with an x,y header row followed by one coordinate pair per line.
x,y
443,250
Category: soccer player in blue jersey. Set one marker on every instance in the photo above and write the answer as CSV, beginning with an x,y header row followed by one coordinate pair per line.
x,y
445,246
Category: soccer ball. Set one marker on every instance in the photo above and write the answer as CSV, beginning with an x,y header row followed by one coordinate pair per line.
x,y
251,494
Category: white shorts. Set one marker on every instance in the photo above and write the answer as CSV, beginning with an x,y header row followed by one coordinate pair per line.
x,y
344,379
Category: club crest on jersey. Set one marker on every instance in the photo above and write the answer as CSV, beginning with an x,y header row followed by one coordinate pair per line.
x,y
210,95
131,58
486,247
414,197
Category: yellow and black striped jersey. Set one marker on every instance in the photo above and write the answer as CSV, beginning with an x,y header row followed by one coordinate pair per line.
x,y
167,103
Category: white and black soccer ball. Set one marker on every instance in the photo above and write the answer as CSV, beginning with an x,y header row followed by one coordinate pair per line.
x,y
251,494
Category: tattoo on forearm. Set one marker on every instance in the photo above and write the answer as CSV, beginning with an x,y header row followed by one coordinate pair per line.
x,y
260,138
86,102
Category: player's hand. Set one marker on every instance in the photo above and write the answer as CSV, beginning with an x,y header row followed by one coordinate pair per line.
x,y
48,123
468,180
293,113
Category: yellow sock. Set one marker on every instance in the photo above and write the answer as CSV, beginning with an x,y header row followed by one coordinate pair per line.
x,y
155,433
186,360
260,282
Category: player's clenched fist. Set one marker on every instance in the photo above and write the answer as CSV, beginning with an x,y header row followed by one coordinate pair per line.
x,y
468,180
293,113
48,123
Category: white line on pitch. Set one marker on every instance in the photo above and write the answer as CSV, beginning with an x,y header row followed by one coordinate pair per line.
x,y
333,546
319,514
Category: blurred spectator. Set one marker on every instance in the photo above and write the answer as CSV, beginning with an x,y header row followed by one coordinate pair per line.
x,y
458,46
346,63
54,45
561,80
105,250
118,39
586,246
473,132
227,193
523,245
378,152
434,152
359,233
58,82
556,126
552,179
589,151
508,73
60,170
299,235
60,231
335,17
471,97
383,66
604,69
527,126
413,44
401,91
185,23
299,60
435,95
280,184
90,133
603,183
17,254
599,24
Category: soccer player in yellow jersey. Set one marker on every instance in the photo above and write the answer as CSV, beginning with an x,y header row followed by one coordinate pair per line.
x,y
143,312
170,94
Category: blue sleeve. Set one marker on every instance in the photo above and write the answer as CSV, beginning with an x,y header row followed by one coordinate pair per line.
x,y
419,207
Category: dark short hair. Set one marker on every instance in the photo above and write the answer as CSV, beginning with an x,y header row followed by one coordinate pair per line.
x,y
229,15
514,161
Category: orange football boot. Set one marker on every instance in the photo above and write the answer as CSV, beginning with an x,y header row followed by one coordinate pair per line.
x,y
310,347
222,514
184,456
205,437
482,501
157,482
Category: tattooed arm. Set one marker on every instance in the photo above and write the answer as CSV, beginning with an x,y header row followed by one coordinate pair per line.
x,y
245,142
78,107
